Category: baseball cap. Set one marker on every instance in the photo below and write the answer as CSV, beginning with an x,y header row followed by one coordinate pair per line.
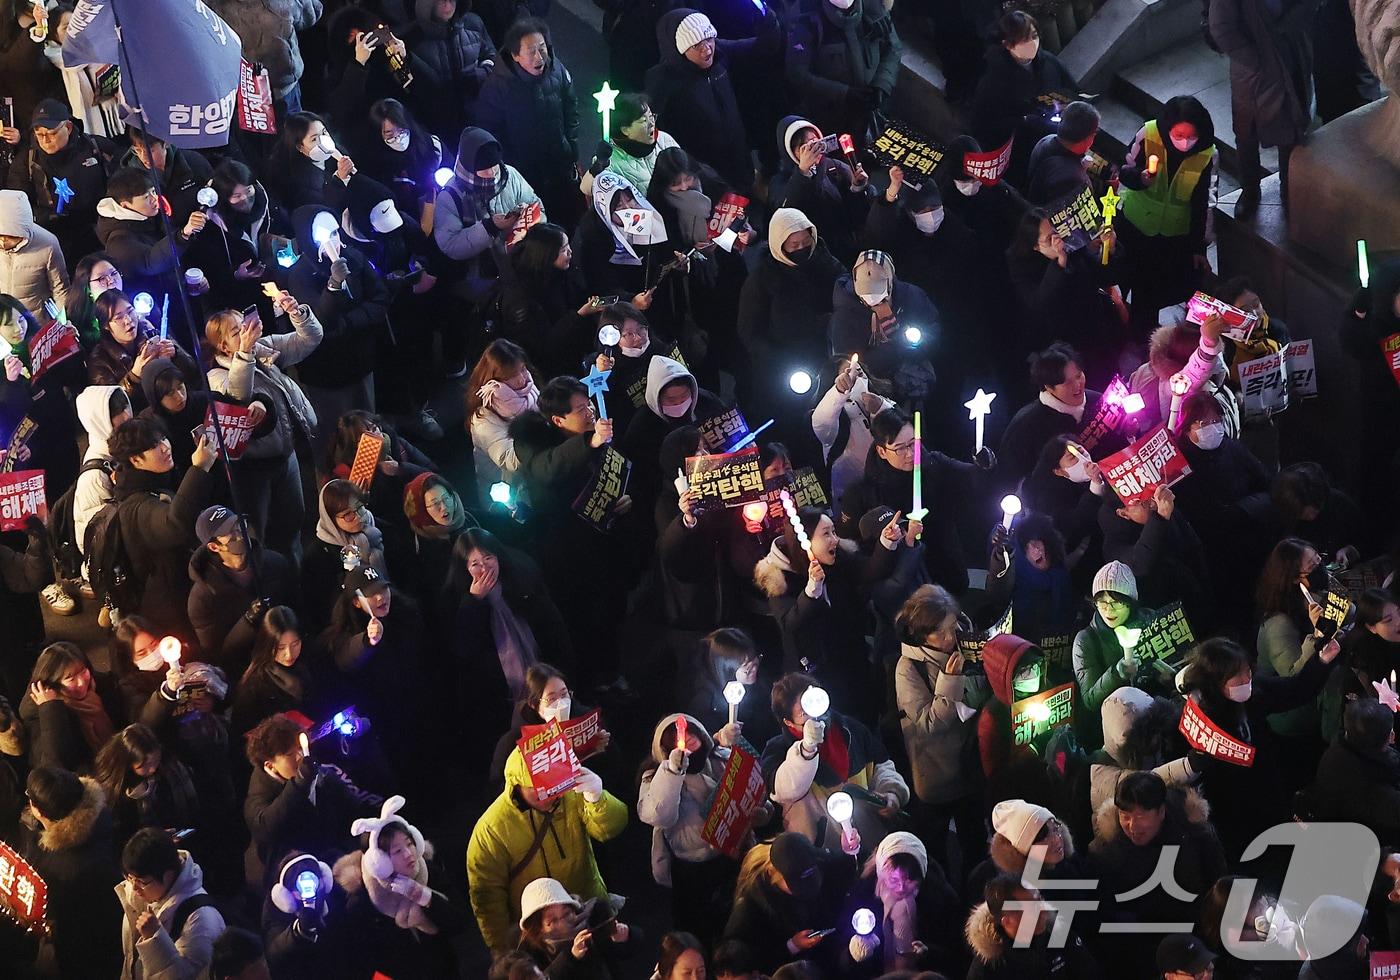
x,y
364,577
49,113
215,522
1182,952
799,862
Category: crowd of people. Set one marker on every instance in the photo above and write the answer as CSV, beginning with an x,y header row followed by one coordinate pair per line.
x,y
716,553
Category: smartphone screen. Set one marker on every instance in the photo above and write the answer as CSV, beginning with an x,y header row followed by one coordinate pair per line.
x,y
9,112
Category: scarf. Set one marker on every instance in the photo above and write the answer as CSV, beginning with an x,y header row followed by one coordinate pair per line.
x,y
835,751
291,681
633,148
423,523
515,642
776,555
900,925
483,190
96,726
369,543
1075,412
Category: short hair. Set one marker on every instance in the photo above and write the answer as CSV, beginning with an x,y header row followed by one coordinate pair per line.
x,y
1367,723
733,956
129,183
630,107
515,965
1078,121
924,611
522,29
907,863
272,737
57,659
884,428
53,792
1298,487
1197,407
1001,889
1213,662
168,380
234,951
340,495
787,691
619,313
1016,26
151,853
1235,287
134,437
231,173
556,395
1370,606
1048,366
1143,790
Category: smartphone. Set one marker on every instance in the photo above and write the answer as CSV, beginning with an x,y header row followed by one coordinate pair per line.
x,y
199,432
603,301
827,144
182,833
251,312
9,112
605,928
819,933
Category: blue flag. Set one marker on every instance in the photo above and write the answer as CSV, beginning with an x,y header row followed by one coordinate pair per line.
x,y
178,61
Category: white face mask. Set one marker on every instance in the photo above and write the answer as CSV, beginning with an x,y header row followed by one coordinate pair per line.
x,y
558,711
151,661
929,221
1183,146
677,411
968,187
842,4
1077,472
1209,436
1240,693
399,141
322,149
1026,51
632,351
874,299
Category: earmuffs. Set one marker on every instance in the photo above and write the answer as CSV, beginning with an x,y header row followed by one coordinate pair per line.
x,y
377,861
284,898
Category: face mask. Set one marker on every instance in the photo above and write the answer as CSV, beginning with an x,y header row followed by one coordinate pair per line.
x,y
1026,51
1240,693
1209,436
842,4
968,187
632,351
677,411
318,153
802,255
384,218
928,221
874,299
399,141
558,711
1077,472
151,661
1027,680
1183,146
236,546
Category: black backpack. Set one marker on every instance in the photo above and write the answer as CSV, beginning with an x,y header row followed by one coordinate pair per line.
x,y
109,565
62,529
184,910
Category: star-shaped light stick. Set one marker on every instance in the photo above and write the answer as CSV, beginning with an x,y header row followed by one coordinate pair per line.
x,y
62,193
978,409
606,98
1386,694
1110,208
597,382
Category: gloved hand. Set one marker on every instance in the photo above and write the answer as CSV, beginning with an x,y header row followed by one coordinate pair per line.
x,y
985,459
309,921
590,784
256,610
35,529
813,734
1199,761
678,760
306,772
340,271
410,889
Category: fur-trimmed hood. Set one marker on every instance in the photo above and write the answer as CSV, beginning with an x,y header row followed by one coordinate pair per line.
x,y
75,829
1005,856
1186,807
984,936
353,877
772,571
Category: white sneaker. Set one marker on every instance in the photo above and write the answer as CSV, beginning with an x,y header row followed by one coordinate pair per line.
x,y
59,601
86,590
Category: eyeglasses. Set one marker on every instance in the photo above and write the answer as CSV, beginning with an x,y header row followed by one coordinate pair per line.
x,y
901,448
139,881
107,278
1108,602
552,699
127,315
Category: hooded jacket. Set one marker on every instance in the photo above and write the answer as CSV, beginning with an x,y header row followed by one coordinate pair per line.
x,y
852,323
784,308
35,270
268,30
936,712
458,53
259,375
675,804
648,429
218,604
837,412
995,955
178,424
160,957
77,858
462,228
138,244
535,118
826,195
834,53
350,318
95,487
1003,761
1134,725
502,839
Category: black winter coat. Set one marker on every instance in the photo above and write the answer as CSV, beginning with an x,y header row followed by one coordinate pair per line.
x,y
145,256
22,575
186,171
534,119
218,604
765,918
785,311
1031,429
1006,94
54,733
85,163
110,363
353,319
1362,786
282,816
1055,174
158,532
452,58
542,317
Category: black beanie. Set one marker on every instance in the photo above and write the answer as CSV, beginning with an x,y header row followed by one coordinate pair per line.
x,y
54,792
487,155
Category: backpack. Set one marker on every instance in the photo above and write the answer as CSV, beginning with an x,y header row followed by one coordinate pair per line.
x,y
63,530
109,565
184,910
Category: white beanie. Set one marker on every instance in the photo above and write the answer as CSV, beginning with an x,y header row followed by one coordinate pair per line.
x,y
1116,577
1020,822
902,842
542,892
784,222
692,30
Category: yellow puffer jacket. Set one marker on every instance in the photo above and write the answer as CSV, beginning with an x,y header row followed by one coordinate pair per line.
x,y
502,837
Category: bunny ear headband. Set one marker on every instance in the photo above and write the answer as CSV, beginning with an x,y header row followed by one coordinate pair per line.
x,y
377,860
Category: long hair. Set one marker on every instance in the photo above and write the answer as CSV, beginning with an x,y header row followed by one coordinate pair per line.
x,y
500,361
533,259
105,306
275,622
348,619
121,648
129,747
57,659
478,539
348,430
1277,588
756,867
1026,238
724,651
81,303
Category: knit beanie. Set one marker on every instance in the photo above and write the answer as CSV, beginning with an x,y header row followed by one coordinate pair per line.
x,y
1020,822
786,221
692,30
902,842
1116,577
873,273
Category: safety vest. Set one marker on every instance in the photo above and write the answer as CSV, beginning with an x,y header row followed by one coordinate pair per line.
x,y
1164,206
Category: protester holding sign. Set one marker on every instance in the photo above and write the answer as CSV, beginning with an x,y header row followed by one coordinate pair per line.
x,y
1248,797
182,411
521,837
1180,351
1104,651
673,399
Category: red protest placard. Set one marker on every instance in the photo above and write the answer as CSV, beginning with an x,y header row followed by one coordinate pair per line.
x,y
530,217
55,343
1111,412
728,209
740,791
1385,964
236,424
1204,734
988,167
1135,473
366,461
1390,347
24,896
549,759
583,733
255,113
1239,324
21,494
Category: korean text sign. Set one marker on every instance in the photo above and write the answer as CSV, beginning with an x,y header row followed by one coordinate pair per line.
x,y
970,644
740,791
22,496
1032,717
52,345
729,480
549,759
1135,473
1204,734
900,145
720,431
23,894
583,734
1109,416
1165,635
236,423
603,491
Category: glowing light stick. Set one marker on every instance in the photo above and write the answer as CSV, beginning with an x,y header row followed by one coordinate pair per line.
x,y
207,197
919,511
305,744
913,335
606,97
1128,639
978,409
170,651
442,175
609,335
597,382
1307,596
800,382
500,493
1363,263
1110,208
1133,403
1010,507
143,304
863,922
681,726
734,693
1180,385
6,350
306,885
815,702
839,807
750,437
165,316
1152,162
790,508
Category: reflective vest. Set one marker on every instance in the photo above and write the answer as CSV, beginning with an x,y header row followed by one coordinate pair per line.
x,y
1164,206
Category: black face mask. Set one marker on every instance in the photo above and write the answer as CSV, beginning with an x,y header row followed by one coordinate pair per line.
x,y
803,255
